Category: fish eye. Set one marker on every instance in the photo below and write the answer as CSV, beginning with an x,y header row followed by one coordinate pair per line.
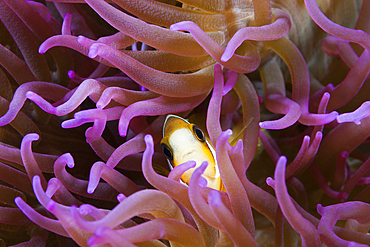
x,y
167,151
198,133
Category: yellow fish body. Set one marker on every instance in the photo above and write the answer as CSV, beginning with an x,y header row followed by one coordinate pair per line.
x,y
182,142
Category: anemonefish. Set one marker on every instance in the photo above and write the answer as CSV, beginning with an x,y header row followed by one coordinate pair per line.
x,y
182,142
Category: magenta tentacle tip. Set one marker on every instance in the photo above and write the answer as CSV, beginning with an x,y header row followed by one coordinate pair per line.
x,y
282,160
270,182
32,137
218,67
148,139
354,244
17,201
228,132
81,39
91,187
228,53
67,15
214,198
93,240
31,95
318,135
36,179
43,48
356,116
320,209
84,210
180,26
67,159
94,50
101,230
203,182
121,197
50,205
71,74
122,131
95,174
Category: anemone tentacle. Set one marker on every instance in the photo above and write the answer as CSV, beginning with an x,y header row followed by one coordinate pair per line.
x,y
85,87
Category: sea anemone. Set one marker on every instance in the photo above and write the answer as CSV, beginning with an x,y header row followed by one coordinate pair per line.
x,y
279,87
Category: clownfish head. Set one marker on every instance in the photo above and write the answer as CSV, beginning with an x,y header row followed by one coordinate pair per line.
x,y
182,142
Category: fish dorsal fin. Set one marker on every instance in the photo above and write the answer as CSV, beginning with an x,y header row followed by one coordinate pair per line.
x,y
238,136
171,115
160,170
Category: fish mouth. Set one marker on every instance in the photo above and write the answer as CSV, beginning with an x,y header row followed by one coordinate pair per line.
x,y
187,154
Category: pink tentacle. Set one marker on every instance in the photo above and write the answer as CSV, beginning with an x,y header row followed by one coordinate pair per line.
x,y
199,204
103,192
106,234
50,90
353,82
306,229
337,47
118,181
66,26
300,81
283,105
331,214
351,35
276,30
172,85
46,223
89,88
229,222
28,159
241,64
213,113
356,116
158,106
